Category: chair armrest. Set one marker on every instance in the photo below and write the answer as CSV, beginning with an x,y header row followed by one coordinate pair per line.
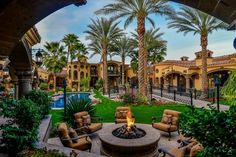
x,y
165,151
79,137
75,138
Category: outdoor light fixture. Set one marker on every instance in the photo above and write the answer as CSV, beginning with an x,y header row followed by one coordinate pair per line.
x,y
38,56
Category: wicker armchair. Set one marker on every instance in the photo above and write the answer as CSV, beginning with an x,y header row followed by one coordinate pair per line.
x,y
169,122
69,138
120,115
83,123
188,146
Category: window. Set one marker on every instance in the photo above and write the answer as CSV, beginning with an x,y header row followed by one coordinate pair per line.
x,y
75,75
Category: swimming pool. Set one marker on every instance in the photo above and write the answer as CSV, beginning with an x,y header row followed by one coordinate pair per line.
x,y
58,100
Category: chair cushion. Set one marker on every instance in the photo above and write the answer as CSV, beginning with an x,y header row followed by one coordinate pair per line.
x,y
122,114
195,150
82,144
166,118
62,130
86,120
80,114
94,127
121,120
172,112
165,127
73,134
174,120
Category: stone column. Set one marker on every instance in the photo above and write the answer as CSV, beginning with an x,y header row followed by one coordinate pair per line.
x,y
166,84
187,83
16,89
24,82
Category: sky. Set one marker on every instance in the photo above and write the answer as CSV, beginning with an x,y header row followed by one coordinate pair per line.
x,y
73,19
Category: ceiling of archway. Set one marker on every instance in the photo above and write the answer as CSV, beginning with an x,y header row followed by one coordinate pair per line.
x,y
225,10
18,16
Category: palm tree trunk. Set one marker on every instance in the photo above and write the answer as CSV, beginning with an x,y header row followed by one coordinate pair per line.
x,y
146,72
54,82
141,57
204,43
105,76
123,71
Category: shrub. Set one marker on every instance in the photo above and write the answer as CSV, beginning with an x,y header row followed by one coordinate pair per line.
x,y
85,84
41,153
213,129
141,99
43,86
74,105
127,99
21,129
99,84
42,100
68,89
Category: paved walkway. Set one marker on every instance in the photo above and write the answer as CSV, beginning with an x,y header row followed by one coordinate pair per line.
x,y
185,99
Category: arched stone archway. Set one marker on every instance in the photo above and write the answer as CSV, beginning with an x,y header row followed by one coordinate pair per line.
x,y
223,76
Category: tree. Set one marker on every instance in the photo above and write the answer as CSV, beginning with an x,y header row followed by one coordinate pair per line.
x,y
189,20
154,46
55,60
75,49
102,32
139,10
122,47
70,40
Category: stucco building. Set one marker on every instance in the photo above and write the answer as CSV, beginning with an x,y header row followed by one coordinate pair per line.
x,y
184,73
181,74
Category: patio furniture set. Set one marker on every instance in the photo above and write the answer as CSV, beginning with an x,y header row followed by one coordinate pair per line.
x,y
124,138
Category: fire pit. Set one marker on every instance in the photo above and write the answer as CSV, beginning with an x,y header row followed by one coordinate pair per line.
x,y
129,140
129,130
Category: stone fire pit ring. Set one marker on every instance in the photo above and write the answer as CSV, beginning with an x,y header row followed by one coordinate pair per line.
x,y
140,147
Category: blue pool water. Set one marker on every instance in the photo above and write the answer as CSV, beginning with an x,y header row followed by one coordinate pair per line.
x,y
58,101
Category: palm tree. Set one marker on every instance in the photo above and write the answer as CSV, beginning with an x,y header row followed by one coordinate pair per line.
x,y
103,32
55,60
70,40
122,47
139,10
154,46
194,21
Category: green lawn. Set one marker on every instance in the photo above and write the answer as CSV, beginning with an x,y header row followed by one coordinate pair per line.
x,y
224,102
106,110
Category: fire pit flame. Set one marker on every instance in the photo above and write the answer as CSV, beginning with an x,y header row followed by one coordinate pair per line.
x,y
129,130
130,120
